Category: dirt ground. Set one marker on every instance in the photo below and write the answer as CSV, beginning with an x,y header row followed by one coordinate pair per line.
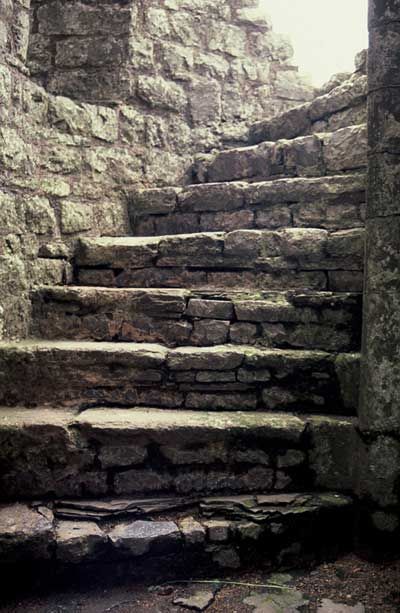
x,y
348,581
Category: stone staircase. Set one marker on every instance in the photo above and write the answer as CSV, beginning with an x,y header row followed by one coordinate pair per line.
x,y
192,397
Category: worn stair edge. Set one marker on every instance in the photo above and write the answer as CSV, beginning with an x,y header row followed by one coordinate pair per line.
x,y
214,533
312,320
289,258
222,377
50,453
316,155
301,120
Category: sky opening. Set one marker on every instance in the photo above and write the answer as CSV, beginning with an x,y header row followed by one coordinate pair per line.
x,y
326,34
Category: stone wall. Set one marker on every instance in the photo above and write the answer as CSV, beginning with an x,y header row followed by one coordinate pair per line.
x,y
67,165
200,70
380,396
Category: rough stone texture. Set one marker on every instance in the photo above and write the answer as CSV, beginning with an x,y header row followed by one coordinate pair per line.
x,y
66,165
25,534
50,452
379,410
296,258
205,69
142,537
314,155
79,541
312,320
342,106
333,203
222,377
313,522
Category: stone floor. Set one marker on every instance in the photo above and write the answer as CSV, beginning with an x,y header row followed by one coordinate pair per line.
x,y
349,585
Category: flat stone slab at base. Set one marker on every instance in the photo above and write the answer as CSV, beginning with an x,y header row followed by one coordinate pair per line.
x,y
220,533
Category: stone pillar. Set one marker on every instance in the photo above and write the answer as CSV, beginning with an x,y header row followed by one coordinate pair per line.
x,y
380,386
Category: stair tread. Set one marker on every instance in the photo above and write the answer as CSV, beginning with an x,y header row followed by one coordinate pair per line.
x,y
317,154
331,202
170,199
147,419
348,94
274,296
156,349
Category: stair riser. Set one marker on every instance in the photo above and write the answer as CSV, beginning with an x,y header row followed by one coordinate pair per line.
x,y
336,281
316,155
221,378
334,203
77,459
190,319
292,534
343,106
341,214
290,258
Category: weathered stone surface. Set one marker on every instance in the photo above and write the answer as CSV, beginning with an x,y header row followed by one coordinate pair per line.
x,y
290,601
379,470
249,518
166,260
346,149
79,541
25,534
145,537
332,203
131,442
193,532
332,459
314,155
79,372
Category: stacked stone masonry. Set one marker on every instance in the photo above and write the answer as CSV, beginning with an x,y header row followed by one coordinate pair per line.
x,y
196,326
68,164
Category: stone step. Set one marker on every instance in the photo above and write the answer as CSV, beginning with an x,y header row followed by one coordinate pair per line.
x,y
112,452
333,203
210,534
224,377
343,106
290,258
316,155
312,320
